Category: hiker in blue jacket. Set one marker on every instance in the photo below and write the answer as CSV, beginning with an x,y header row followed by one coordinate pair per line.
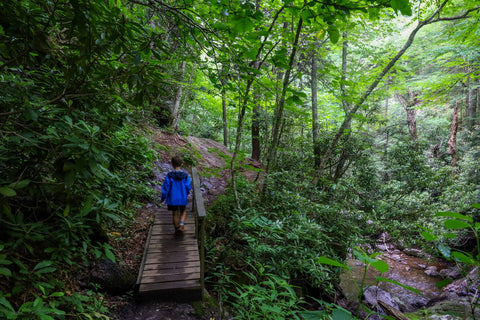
x,y
175,189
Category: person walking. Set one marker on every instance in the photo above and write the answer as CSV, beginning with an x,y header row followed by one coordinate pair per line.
x,y
175,190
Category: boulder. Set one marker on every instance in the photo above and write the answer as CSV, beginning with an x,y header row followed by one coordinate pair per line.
x,y
112,278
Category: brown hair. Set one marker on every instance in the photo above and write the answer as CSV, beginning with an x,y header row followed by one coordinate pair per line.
x,y
177,161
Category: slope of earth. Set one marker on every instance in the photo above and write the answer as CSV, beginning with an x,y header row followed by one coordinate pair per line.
x,y
211,159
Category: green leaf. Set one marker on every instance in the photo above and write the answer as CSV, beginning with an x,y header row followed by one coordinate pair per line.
x,y
109,254
373,13
4,302
341,314
31,115
66,211
454,215
5,272
333,33
399,284
57,294
44,267
313,315
20,184
444,250
476,205
443,283
465,258
7,192
399,4
381,266
428,236
456,224
449,235
325,260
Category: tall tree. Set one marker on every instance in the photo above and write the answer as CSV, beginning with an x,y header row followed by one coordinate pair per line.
x,y
314,93
432,17
452,140
409,102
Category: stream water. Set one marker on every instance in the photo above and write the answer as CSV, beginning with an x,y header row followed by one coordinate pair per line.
x,y
407,270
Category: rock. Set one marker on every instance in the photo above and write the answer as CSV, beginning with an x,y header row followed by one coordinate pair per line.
x,y
432,271
459,307
450,274
374,294
384,237
385,246
408,301
443,317
112,277
415,252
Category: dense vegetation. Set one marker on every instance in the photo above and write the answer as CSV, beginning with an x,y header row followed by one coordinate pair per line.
x,y
365,115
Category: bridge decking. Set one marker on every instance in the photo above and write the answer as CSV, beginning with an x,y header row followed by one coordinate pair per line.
x,y
171,265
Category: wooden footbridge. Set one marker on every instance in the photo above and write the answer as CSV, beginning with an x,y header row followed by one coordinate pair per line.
x,y
173,263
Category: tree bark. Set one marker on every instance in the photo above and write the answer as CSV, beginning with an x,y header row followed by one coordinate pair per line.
x,y
278,118
178,98
452,141
315,126
471,103
409,101
224,119
256,150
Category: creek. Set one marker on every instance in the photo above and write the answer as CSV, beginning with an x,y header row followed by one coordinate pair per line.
x,y
416,270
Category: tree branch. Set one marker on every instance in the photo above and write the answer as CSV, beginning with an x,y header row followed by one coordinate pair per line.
x,y
348,117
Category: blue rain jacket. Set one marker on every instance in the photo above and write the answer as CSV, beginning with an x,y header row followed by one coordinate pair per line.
x,y
175,188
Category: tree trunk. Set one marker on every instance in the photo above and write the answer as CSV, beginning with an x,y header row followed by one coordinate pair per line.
x,y
241,116
178,98
476,108
342,164
452,141
256,151
315,126
224,119
409,101
471,104
278,118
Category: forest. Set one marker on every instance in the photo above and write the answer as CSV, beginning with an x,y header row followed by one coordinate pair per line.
x,y
362,115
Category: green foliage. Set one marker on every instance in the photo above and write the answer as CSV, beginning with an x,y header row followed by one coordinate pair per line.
x,y
279,234
72,157
265,296
454,225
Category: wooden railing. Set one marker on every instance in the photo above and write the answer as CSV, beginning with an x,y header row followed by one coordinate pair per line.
x,y
198,208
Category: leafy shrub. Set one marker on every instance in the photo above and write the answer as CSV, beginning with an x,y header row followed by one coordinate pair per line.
x,y
279,233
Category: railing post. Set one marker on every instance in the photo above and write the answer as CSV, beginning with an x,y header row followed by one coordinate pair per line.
x,y
200,214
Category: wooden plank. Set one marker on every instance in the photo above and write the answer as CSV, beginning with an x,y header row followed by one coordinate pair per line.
x,y
167,271
167,249
178,239
171,265
161,259
142,265
170,231
185,284
165,217
171,278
